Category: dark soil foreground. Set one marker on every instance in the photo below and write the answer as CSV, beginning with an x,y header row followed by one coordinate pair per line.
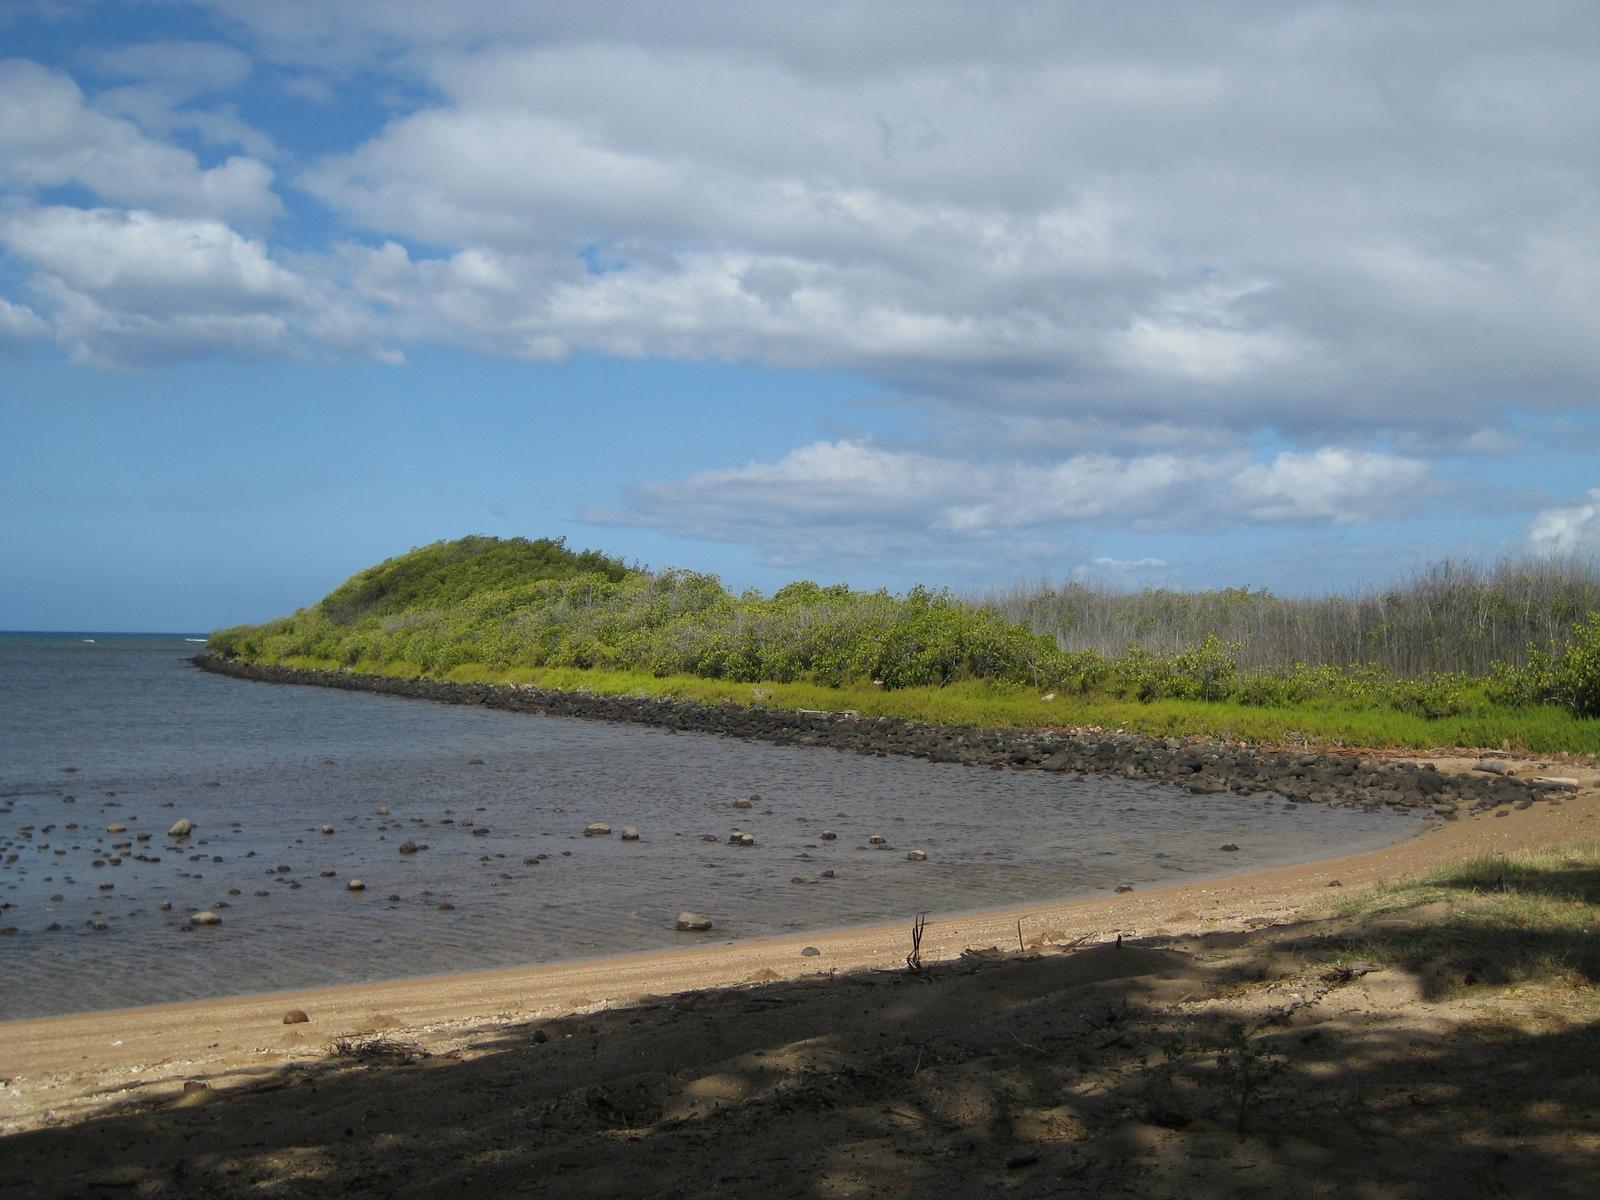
x,y
1268,1063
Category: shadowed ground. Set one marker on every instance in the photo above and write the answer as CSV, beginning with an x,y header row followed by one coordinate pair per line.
x,y
1417,1048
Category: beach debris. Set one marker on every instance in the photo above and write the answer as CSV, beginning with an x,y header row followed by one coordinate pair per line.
x,y
356,885
295,1016
182,827
914,959
630,834
195,1093
917,856
810,952
689,922
205,918
597,829
1556,783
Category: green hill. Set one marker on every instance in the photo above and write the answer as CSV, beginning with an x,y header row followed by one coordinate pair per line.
x,y
500,604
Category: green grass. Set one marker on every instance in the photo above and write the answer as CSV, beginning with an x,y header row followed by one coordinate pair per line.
x,y
1495,921
1534,729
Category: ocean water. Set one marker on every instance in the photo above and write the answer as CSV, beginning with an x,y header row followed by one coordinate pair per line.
x,y
123,730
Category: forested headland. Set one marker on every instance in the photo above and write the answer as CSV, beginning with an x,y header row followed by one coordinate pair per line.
x,y
1458,654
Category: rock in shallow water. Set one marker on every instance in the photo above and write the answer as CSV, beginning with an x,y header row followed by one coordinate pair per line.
x,y
205,918
596,829
689,922
181,828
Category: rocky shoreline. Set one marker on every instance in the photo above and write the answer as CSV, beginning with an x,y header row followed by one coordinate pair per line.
x,y
1201,767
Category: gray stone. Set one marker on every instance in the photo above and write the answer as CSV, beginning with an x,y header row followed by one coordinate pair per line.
x,y
205,918
689,922
181,828
597,829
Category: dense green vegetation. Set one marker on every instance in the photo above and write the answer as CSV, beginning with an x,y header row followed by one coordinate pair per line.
x,y
487,608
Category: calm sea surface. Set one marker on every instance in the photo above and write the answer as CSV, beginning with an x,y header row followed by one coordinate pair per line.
x,y
122,730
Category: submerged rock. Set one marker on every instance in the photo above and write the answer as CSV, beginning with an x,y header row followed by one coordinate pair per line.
x,y
689,922
181,828
597,829
205,918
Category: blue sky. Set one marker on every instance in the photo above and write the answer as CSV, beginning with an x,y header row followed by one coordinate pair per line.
x,y
1299,296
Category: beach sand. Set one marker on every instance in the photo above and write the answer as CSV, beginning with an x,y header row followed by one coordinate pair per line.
x,y
641,1089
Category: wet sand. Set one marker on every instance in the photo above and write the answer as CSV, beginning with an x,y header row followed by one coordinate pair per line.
x,y
63,1069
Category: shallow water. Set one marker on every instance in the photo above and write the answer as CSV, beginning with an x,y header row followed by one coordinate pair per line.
x,y
261,768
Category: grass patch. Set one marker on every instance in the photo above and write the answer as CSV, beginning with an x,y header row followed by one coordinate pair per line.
x,y
1537,730
1496,921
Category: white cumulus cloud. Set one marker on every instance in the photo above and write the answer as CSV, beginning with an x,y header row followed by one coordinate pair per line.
x,y
51,136
875,497
1568,529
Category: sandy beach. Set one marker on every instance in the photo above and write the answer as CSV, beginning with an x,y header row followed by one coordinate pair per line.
x,y
67,1068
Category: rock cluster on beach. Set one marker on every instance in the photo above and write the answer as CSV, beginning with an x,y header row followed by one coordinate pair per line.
x,y
1200,766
